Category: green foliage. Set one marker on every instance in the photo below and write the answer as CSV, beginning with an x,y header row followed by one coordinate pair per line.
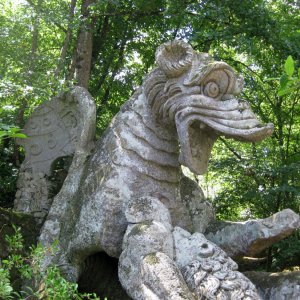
x,y
47,285
5,286
286,253
288,82
8,171
8,175
8,131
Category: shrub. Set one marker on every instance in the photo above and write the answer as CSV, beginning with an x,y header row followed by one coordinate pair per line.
x,y
48,285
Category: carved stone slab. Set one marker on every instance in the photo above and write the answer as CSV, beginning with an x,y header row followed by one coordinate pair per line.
x,y
57,128
52,132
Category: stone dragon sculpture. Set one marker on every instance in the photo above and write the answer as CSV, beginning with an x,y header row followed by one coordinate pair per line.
x,y
129,198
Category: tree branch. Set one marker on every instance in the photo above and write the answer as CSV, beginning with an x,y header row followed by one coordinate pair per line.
x,y
67,39
231,149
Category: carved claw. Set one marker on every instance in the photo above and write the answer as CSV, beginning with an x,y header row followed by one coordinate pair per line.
x,y
146,268
252,237
210,274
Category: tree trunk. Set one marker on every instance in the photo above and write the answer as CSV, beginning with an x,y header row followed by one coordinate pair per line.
x,y
84,46
67,39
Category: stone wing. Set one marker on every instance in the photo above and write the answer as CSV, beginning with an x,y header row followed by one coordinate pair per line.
x,y
58,128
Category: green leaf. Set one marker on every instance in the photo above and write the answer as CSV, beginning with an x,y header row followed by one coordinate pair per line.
x,y
14,129
19,135
283,81
3,133
285,91
281,93
289,66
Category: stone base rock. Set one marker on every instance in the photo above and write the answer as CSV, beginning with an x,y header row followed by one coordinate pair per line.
x,y
276,286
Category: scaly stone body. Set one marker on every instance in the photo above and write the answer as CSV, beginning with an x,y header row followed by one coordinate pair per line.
x,y
136,157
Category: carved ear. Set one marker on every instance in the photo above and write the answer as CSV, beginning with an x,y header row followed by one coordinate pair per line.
x,y
174,57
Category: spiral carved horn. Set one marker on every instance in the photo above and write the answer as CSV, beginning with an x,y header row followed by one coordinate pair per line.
x,y
174,57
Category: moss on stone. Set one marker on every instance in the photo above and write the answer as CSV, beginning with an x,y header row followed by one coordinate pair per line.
x,y
140,228
151,259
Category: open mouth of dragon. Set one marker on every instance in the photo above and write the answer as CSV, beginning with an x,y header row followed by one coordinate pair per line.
x,y
201,98
200,120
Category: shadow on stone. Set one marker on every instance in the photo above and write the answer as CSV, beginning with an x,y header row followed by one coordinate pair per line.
x,y
59,172
100,276
276,286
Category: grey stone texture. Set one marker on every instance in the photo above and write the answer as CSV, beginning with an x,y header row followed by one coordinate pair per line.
x,y
276,286
130,199
208,270
32,195
58,128
252,237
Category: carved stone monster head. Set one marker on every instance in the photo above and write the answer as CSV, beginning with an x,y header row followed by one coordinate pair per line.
x,y
199,96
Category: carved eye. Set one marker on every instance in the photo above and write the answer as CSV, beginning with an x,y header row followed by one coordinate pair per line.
x,y
212,90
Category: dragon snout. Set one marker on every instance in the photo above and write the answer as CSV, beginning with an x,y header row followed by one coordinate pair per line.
x,y
200,120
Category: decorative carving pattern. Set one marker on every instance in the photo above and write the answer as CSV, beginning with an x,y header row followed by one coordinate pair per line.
x,y
53,131
174,58
208,270
33,195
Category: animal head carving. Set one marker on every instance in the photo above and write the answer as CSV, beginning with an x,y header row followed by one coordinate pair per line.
x,y
199,96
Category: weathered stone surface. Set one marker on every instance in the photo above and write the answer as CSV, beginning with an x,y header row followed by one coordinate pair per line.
x,y
192,100
276,286
162,279
140,241
128,195
57,128
207,269
33,194
201,211
253,236
147,209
